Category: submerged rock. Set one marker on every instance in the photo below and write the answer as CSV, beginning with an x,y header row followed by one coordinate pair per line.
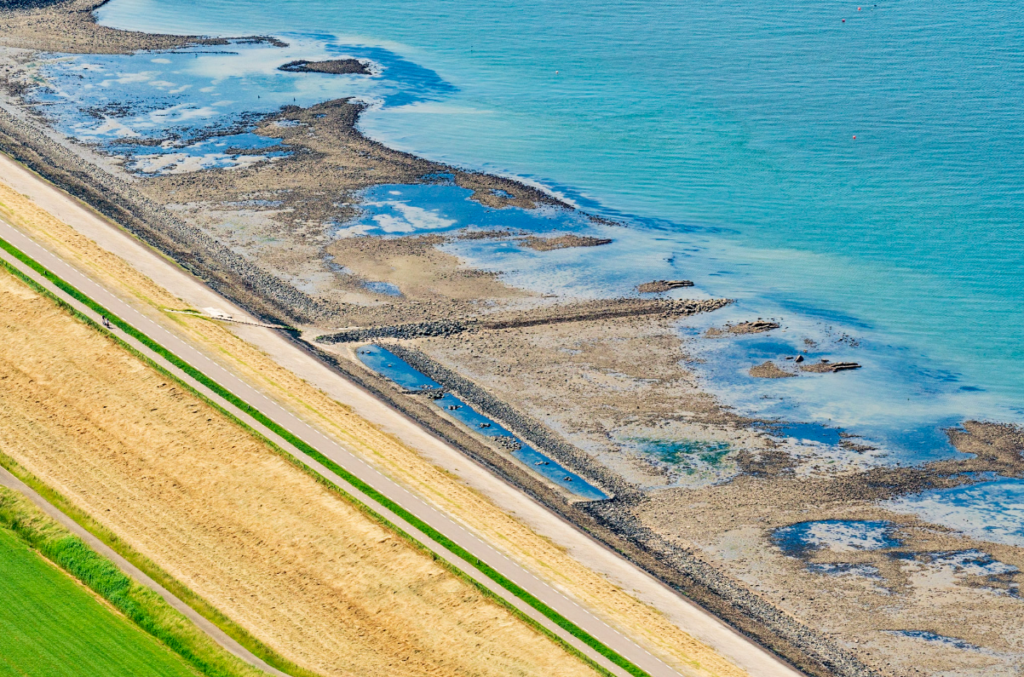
x,y
331,67
826,367
770,370
662,285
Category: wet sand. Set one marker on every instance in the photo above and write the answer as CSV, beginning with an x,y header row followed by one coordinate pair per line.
x,y
591,383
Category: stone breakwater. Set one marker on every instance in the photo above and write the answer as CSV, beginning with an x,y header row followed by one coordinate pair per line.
x,y
412,330
577,312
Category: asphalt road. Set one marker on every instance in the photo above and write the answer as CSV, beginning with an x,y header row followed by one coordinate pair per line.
x,y
569,609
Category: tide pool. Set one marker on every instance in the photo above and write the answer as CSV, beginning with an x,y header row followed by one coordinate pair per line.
x,y
797,540
988,511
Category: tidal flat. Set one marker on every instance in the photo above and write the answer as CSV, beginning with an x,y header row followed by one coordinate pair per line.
x,y
534,312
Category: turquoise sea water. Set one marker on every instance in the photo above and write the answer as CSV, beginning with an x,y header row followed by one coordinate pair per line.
x,y
723,134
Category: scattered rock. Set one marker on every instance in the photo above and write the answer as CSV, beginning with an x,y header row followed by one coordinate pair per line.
x,y
546,244
492,234
331,67
755,327
662,285
769,370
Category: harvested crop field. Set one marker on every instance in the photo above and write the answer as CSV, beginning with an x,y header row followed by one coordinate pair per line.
x,y
301,569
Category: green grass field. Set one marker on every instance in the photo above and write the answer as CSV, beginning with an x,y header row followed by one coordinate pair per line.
x,y
51,626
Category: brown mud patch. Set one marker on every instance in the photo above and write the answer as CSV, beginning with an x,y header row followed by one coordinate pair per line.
x,y
420,270
997,447
68,26
769,369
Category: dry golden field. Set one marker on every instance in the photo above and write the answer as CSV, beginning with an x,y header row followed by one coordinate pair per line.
x,y
443,489
301,569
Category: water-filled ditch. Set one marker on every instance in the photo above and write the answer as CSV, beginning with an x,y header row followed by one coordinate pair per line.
x,y
399,371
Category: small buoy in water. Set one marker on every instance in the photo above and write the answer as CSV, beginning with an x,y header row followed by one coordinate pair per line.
x,y
556,72
854,137
844,20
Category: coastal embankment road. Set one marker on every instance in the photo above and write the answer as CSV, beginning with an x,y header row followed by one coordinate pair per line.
x,y
567,608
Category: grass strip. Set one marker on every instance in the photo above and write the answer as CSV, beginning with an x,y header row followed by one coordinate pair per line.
x,y
309,450
138,603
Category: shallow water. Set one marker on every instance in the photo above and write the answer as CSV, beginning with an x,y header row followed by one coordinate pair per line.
x,y
722,134
989,511
868,571
927,636
740,116
796,540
